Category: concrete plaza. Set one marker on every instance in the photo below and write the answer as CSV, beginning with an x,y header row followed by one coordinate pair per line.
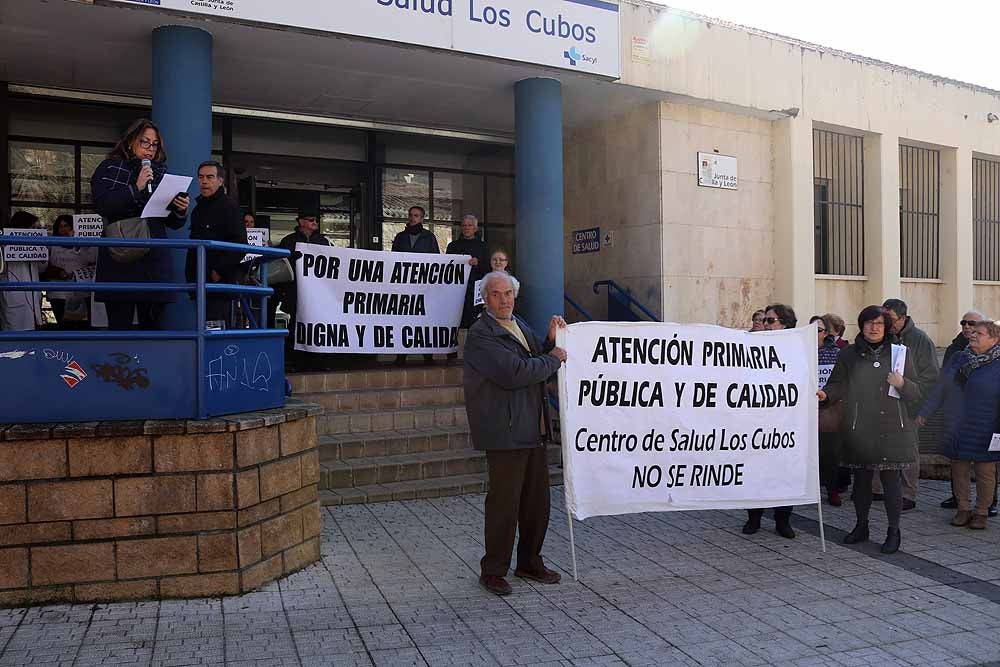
x,y
398,586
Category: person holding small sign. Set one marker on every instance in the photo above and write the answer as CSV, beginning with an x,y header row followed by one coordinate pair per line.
x,y
470,244
64,261
21,311
830,414
506,367
969,392
776,317
878,435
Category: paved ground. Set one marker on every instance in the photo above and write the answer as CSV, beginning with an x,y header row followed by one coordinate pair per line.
x,y
397,586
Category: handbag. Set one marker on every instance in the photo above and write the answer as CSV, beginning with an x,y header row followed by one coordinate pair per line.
x,y
280,272
127,228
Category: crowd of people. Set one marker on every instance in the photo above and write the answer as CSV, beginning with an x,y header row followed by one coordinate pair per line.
x,y
121,186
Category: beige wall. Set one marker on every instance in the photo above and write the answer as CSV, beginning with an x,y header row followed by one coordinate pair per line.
x,y
986,297
923,303
612,181
841,297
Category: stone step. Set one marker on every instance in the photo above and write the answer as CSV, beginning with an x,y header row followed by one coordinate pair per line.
x,y
365,471
380,421
390,443
387,376
421,488
385,399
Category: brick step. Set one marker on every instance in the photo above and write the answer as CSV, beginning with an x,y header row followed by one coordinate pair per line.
x,y
386,376
385,399
390,443
377,421
422,488
364,471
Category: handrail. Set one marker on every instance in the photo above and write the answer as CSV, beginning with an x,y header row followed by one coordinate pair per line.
x,y
631,300
578,307
101,242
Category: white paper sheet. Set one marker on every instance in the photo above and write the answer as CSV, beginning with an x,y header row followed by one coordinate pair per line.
x,y
898,365
164,193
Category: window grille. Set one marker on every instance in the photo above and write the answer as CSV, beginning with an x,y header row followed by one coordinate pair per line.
x,y
838,203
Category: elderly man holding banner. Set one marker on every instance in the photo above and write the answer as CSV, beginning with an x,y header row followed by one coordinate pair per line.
x,y
506,367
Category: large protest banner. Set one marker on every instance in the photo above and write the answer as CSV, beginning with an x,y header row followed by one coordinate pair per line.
x,y
659,417
378,302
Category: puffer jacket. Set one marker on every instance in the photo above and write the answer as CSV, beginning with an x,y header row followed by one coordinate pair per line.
x,y
876,428
971,413
505,386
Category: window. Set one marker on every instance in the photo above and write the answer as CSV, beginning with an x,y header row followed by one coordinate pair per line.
x,y
838,203
919,211
986,219
49,178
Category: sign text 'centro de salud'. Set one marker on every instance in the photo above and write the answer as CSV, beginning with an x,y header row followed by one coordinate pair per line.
x,y
577,35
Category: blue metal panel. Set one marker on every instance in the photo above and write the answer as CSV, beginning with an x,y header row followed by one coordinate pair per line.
x,y
538,188
244,372
70,379
182,108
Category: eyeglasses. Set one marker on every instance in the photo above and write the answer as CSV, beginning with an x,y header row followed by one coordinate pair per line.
x,y
821,330
770,320
969,323
146,143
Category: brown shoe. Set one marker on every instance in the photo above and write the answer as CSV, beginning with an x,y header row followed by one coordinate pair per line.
x,y
962,518
494,584
543,576
978,522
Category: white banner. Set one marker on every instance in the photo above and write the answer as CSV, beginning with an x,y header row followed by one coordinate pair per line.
x,y
25,253
659,417
257,236
88,225
578,35
376,302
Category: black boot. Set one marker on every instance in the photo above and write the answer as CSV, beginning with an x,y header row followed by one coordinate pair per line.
x,y
950,503
859,534
753,522
783,527
892,540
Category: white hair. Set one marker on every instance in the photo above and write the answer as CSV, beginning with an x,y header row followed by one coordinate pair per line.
x,y
975,312
498,275
469,216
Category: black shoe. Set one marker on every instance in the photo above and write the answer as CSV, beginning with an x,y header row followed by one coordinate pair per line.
x,y
784,528
992,511
751,526
891,544
859,534
908,504
878,496
950,504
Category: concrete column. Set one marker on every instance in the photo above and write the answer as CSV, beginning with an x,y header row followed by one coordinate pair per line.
x,y
182,108
956,237
538,195
881,217
794,261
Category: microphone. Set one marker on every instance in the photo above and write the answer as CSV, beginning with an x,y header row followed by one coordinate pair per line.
x,y
149,186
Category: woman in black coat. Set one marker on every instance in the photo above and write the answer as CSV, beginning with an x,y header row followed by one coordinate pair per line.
x,y
120,190
877,432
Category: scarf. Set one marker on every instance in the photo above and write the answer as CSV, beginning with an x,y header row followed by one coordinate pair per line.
x,y
975,361
415,229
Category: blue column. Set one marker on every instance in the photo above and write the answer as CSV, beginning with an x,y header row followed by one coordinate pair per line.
x,y
182,108
538,196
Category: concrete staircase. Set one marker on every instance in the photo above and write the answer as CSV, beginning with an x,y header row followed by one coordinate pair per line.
x,y
395,433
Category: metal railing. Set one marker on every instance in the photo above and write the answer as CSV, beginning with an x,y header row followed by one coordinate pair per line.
x,y
919,211
617,292
200,288
986,219
578,307
838,203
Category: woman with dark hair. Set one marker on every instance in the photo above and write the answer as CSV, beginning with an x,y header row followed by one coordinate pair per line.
x,y
878,434
21,311
830,414
121,187
776,317
63,261
757,321
969,391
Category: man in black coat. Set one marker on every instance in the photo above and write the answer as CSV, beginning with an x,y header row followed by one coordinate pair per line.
x,y
415,238
217,217
506,367
470,244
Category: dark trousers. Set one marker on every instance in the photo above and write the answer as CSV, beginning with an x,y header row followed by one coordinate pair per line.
x,y
122,313
829,460
892,488
781,514
518,499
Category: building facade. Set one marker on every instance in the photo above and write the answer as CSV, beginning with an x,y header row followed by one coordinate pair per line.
x,y
839,181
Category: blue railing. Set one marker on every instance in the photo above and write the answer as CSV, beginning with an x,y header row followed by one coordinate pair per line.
x,y
578,307
226,377
620,302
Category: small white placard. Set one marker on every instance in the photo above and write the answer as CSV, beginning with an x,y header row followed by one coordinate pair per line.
x,y
89,225
898,365
257,236
995,443
640,49
477,294
25,253
164,193
717,171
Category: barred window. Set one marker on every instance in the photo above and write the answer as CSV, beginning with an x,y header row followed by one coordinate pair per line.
x,y
986,219
838,203
919,211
